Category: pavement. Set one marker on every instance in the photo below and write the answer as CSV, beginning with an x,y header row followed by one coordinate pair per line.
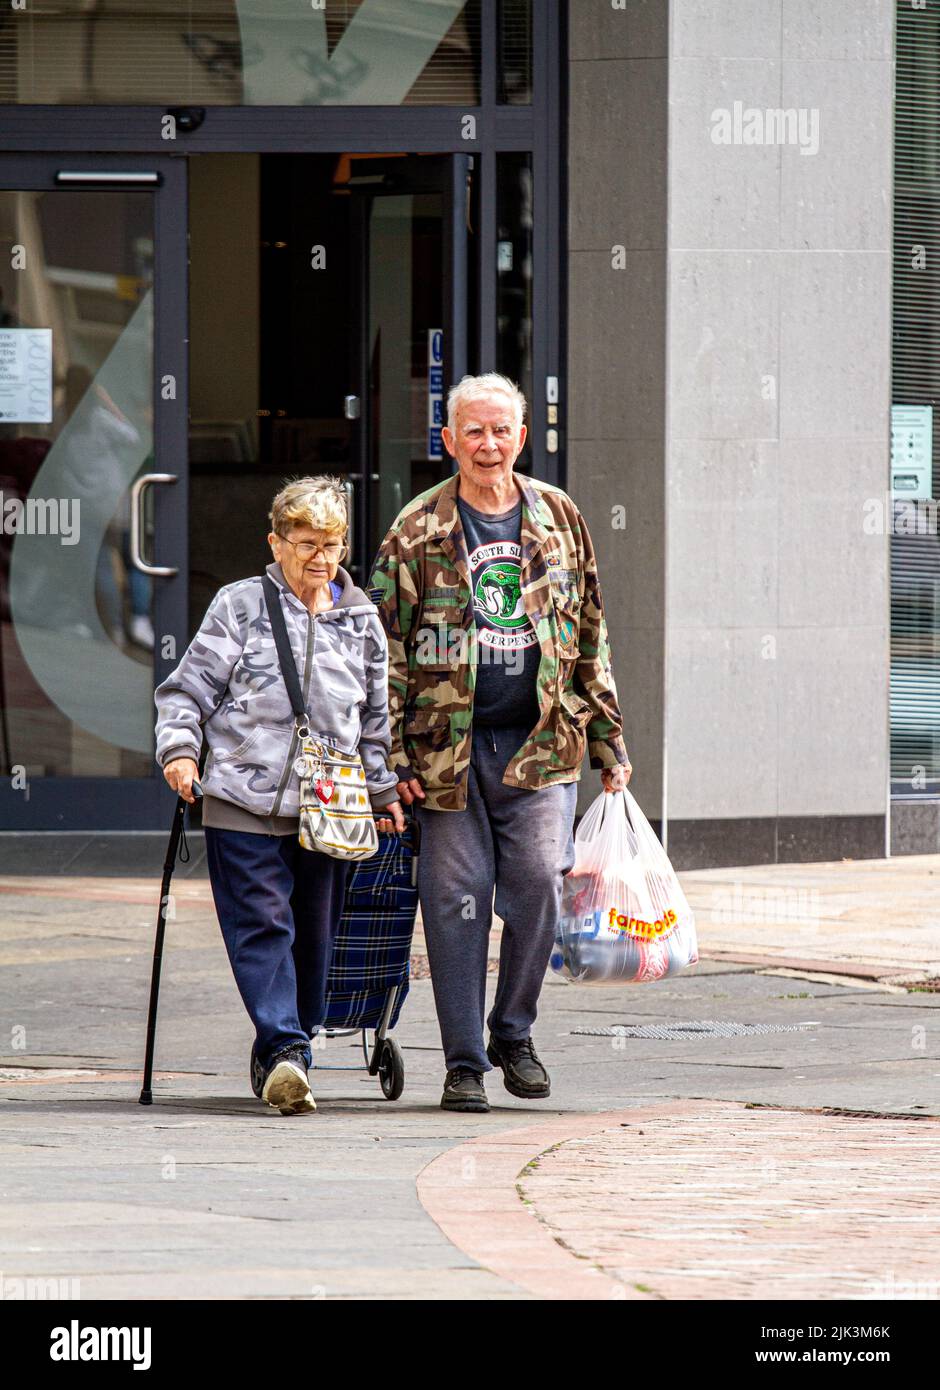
x,y
779,1145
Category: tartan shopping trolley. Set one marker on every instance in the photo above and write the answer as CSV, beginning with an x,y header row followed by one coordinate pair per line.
x,y
368,979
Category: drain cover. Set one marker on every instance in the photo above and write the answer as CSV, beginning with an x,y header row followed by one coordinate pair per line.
x,y
700,1028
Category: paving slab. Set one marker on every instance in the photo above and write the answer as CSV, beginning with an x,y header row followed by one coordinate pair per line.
x,y
882,913
206,1194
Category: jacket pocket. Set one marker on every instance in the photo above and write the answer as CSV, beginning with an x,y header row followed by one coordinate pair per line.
x,y
567,614
252,773
426,739
577,710
424,721
223,755
441,644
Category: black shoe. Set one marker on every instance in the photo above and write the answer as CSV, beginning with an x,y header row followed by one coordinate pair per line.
x,y
463,1090
523,1073
256,1073
286,1087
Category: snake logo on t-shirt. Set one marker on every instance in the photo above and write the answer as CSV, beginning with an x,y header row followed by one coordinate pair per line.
x,y
497,596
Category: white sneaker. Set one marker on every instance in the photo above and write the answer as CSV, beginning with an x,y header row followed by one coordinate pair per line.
x,y
286,1087
141,630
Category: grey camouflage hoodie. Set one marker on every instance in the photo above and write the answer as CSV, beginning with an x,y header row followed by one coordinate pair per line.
x,y
229,681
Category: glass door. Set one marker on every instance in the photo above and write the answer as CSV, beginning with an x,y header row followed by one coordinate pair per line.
x,y
409,295
93,550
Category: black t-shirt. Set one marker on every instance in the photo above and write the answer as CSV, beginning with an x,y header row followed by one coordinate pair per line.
x,y
508,650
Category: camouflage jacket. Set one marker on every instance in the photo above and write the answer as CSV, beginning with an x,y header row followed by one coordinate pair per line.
x,y
421,584
229,683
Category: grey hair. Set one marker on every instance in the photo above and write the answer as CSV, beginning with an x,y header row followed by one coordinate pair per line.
x,y
471,388
319,502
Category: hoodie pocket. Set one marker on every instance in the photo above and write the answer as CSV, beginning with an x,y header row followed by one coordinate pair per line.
x,y
224,755
254,771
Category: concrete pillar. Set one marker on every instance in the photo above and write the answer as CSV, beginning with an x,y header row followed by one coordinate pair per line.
x,y
731,386
617,229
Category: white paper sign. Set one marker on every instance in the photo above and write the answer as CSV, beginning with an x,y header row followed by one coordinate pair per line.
x,y
25,376
912,450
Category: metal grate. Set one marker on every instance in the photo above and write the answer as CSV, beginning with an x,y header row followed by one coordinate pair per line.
x,y
678,1032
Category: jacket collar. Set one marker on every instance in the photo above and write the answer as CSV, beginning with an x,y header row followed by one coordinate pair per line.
x,y
536,518
351,597
443,525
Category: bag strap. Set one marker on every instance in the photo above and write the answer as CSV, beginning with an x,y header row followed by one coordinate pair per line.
x,y
284,654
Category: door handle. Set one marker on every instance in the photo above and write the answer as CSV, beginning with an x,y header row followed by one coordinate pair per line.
x,y
137,492
80,178
351,407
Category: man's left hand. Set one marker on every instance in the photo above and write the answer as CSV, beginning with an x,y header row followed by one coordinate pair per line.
x,y
615,779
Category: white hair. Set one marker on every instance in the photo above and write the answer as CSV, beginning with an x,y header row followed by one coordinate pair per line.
x,y
471,388
319,502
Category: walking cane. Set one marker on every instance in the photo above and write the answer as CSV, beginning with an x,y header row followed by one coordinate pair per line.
x,y
177,834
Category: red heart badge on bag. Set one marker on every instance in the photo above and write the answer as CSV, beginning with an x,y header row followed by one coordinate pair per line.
x,y
324,790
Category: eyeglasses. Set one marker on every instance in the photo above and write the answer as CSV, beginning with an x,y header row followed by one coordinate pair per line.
x,y
307,549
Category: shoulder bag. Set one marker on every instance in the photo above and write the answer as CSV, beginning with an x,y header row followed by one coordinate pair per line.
x,y
335,811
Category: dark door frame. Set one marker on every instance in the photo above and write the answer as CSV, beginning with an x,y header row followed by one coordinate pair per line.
x,y
68,803
446,175
131,137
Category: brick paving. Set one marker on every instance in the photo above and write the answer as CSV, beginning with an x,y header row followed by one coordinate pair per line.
x,y
727,1202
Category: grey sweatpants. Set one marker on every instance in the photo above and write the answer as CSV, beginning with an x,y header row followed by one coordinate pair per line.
x,y
519,843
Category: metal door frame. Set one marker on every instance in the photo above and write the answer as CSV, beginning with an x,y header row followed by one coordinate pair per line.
x,y
48,137
447,176
75,803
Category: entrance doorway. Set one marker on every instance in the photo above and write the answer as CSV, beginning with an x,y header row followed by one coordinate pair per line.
x,y
326,292
321,316
177,337
92,385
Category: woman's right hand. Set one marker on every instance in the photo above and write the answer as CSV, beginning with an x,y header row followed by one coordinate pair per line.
x,y
393,820
181,773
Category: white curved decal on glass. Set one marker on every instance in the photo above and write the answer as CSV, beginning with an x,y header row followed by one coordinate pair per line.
x,y
382,53
85,476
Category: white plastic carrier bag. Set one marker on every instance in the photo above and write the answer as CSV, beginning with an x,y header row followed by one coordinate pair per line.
x,y
624,918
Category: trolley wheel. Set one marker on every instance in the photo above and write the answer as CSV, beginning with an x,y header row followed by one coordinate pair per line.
x,y
391,1070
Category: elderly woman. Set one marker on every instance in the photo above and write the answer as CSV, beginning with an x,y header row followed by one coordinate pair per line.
x,y
278,903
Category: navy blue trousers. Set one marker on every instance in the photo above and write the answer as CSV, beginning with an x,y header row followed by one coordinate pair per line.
x,y
279,907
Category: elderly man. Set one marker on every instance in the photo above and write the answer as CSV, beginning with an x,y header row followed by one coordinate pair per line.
x,y
499,679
